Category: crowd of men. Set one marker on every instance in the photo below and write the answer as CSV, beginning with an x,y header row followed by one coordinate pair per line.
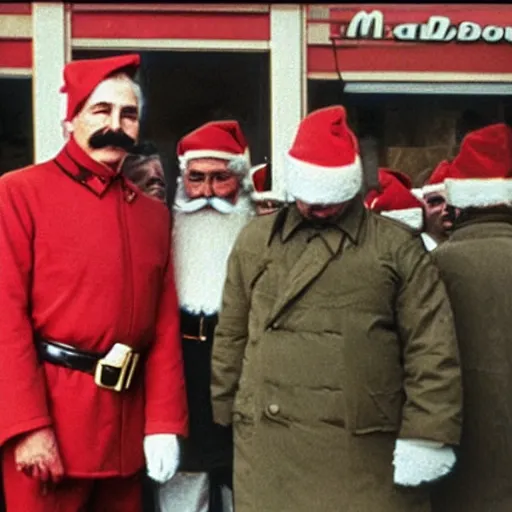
x,y
230,349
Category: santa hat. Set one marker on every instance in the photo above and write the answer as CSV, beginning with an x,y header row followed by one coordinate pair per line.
x,y
417,193
81,77
481,174
436,181
216,139
395,199
260,184
323,164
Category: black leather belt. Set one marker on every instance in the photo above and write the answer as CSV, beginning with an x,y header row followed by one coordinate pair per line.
x,y
116,377
65,355
197,327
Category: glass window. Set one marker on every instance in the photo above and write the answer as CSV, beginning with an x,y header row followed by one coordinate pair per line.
x,y
16,128
415,131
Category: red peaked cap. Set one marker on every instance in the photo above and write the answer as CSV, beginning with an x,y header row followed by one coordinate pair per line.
x,y
484,154
81,77
395,193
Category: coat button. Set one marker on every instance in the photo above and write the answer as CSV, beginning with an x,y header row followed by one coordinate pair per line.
x,y
273,409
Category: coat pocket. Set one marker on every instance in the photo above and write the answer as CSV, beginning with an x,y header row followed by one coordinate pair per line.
x,y
375,412
286,404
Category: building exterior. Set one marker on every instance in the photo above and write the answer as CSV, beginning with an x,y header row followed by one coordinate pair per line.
x,y
409,73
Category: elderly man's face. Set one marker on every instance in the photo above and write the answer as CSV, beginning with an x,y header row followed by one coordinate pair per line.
x,y
148,174
210,177
108,124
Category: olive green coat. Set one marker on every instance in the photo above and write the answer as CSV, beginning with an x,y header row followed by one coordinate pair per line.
x,y
476,265
330,344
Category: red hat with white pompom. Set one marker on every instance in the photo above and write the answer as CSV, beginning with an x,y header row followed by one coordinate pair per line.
x,y
217,139
323,165
395,199
260,181
481,174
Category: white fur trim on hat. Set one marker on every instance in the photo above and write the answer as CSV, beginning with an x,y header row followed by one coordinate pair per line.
x,y
238,163
315,184
417,193
434,187
463,193
413,217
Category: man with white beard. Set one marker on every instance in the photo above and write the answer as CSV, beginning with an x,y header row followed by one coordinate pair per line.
x,y
210,208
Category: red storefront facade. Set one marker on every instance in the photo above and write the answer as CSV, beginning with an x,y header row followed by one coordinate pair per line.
x,y
410,71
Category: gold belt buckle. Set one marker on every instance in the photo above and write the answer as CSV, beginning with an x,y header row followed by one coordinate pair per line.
x,y
122,358
202,335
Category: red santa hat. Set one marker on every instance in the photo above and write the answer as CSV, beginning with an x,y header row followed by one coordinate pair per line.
x,y
395,199
323,165
481,174
436,181
417,193
216,139
81,77
259,176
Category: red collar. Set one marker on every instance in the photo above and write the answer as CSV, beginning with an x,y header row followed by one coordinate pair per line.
x,y
95,176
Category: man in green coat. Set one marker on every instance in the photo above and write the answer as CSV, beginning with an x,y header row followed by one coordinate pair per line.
x,y
475,266
335,356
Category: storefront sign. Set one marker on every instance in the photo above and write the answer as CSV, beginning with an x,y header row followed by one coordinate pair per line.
x,y
371,25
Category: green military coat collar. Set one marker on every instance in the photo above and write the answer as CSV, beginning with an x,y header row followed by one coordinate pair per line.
x,y
349,224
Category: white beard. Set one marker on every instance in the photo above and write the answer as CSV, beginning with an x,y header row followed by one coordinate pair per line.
x,y
202,242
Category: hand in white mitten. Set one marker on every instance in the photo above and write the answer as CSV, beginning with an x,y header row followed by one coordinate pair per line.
x,y
418,461
162,456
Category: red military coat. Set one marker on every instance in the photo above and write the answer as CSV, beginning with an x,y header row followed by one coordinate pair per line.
x,y
85,259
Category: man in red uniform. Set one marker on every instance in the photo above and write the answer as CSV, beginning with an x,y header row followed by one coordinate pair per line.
x,y
92,375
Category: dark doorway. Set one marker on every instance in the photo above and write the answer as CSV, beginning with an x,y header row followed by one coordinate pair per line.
x,y
183,90
16,128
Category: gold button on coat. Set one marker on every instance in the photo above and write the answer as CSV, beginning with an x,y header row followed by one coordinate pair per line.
x,y
273,408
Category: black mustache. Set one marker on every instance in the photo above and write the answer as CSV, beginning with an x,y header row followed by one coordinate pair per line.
x,y
117,139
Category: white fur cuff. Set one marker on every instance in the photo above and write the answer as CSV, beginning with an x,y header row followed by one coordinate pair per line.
x,y
418,461
435,187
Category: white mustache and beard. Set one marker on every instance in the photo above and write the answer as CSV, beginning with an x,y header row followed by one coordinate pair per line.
x,y
202,241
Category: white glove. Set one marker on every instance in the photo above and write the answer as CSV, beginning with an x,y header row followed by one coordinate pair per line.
x,y
418,461
162,456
